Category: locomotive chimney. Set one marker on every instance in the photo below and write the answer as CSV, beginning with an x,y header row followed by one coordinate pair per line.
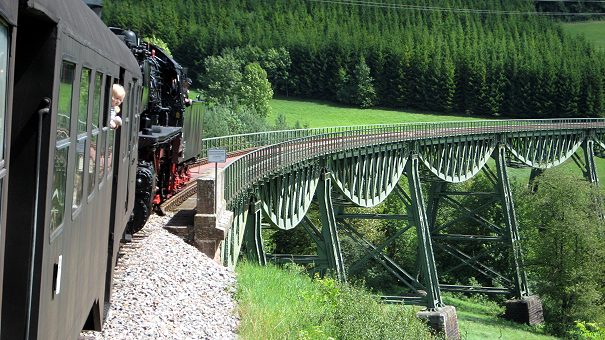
x,y
95,5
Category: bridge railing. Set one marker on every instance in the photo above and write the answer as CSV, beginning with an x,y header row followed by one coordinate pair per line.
x,y
235,143
241,174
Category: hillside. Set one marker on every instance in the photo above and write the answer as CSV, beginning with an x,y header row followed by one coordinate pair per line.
x,y
446,56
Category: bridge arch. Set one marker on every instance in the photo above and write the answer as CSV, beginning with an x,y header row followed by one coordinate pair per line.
x,y
367,176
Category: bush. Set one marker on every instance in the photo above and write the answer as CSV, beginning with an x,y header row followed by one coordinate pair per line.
x,y
587,330
223,120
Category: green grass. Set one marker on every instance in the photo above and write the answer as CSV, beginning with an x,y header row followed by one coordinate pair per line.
x,y
479,319
286,304
321,114
568,167
593,31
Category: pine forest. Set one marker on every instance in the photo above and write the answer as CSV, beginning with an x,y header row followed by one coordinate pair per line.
x,y
498,58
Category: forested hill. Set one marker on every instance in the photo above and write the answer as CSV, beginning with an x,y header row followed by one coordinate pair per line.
x,y
492,57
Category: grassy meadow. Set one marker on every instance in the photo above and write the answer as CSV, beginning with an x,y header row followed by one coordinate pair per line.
x,y
321,114
274,303
593,31
286,304
479,319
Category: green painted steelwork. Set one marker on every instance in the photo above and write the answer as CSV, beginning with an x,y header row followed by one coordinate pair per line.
x,y
367,177
427,260
456,160
510,218
286,198
329,230
361,166
543,151
253,240
591,169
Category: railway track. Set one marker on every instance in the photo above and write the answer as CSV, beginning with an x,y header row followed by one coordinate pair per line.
x,y
173,203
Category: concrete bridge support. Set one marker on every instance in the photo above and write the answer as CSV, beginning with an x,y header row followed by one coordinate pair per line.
x,y
212,221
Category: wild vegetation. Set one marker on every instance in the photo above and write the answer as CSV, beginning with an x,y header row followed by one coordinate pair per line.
x,y
564,230
287,304
392,55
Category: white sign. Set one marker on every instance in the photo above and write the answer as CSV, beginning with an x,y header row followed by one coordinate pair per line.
x,y
217,155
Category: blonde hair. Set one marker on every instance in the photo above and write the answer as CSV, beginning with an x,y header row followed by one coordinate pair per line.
x,y
118,91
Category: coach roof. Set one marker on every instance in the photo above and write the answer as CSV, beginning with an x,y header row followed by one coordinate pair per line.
x,y
8,10
80,22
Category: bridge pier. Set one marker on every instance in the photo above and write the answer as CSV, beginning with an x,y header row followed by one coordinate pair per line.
x,y
591,169
425,246
526,310
443,320
212,222
510,219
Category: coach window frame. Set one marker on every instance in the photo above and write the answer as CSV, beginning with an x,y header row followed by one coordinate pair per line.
x,y
95,132
81,139
125,111
5,43
103,126
111,134
62,144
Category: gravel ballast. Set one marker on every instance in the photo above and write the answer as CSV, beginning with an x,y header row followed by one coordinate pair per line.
x,y
164,288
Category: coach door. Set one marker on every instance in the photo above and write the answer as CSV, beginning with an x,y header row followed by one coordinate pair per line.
x,y
6,72
34,72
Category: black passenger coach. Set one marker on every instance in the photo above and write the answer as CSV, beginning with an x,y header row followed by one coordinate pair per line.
x,y
66,179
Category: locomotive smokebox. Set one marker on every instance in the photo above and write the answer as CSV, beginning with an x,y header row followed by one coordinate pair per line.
x,y
95,5
127,36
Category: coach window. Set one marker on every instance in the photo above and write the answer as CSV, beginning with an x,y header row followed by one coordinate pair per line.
x,y
110,137
81,138
59,184
94,136
3,86
127,117
103,126
3,92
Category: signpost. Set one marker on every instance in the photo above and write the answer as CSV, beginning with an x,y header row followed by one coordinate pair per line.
x,y
216,155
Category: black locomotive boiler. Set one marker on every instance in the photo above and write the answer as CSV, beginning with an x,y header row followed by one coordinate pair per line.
x,y
161,169
67,180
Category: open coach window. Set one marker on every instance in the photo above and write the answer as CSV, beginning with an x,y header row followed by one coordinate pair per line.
x,y
59,184
81,139
94,137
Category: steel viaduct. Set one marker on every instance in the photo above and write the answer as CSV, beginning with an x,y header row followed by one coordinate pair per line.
x,y
285,173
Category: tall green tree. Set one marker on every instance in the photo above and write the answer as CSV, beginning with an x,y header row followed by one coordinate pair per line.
x,y
255,90
223,78
564,233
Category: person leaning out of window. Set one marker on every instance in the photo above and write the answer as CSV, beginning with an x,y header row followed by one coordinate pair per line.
x,y
117,97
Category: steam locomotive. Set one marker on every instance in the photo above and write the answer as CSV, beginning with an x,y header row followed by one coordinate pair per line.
x,y
71,187
161,170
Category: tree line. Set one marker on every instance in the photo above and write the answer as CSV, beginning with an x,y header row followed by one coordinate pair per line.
x,y
442,61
